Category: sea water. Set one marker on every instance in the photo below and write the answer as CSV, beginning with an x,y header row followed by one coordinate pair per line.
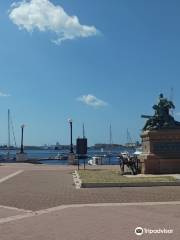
x,y
46,154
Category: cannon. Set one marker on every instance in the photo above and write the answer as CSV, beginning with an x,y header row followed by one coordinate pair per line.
x,y
131,162
146,116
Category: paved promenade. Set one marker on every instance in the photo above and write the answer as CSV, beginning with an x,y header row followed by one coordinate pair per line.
x,y
41,202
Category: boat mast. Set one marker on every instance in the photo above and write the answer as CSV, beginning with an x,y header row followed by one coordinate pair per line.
x,y
110,137
9,136
12,128
129,139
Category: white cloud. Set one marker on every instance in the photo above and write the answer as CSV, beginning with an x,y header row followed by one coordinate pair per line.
x,y
91,100
43,15
4,94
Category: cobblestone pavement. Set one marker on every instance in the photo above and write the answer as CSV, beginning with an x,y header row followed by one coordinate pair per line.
x,y
41,189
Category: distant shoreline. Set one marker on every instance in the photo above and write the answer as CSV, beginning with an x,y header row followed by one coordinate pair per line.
x,y
105,149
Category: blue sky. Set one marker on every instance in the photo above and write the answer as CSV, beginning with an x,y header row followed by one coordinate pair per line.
x,y
126,55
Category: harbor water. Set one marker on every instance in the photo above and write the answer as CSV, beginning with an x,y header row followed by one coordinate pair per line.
x,y
49,156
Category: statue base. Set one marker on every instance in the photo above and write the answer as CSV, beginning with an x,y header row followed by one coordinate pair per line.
x,y
161,151
72,159
21,157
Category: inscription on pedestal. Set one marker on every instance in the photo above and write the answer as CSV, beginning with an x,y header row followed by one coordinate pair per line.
x,y
167,148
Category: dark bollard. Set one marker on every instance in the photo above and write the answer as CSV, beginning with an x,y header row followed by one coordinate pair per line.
x,y
78,163
84,164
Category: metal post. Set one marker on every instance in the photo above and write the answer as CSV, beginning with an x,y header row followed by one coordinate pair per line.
x,y
109,160
84,163
137,165
71,144
78,162
71,150
9,136
22,137
83,131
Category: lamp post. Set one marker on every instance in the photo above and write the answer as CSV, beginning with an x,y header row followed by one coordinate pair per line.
x,y
22,156
71,144
22,137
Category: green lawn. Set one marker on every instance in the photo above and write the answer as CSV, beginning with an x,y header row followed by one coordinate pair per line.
x,y
114,176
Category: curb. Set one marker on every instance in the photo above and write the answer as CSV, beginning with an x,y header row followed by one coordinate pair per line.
x,y
77,180
104,185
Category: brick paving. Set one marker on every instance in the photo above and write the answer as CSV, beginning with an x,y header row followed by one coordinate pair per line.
x,y
5,212
41,189
96,223
6,171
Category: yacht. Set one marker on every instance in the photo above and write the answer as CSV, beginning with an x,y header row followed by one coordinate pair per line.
x,y
138,151
96,160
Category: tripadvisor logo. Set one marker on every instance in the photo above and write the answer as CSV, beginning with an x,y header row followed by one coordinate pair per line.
x,y
140,231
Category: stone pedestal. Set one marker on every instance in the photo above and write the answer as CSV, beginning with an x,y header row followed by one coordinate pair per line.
x,y
161,151
21,157
72,159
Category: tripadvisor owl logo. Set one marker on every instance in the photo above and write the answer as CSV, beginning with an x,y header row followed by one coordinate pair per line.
x,y
139,231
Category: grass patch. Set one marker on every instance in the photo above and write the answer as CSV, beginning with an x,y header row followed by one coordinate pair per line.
x,y
114,176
